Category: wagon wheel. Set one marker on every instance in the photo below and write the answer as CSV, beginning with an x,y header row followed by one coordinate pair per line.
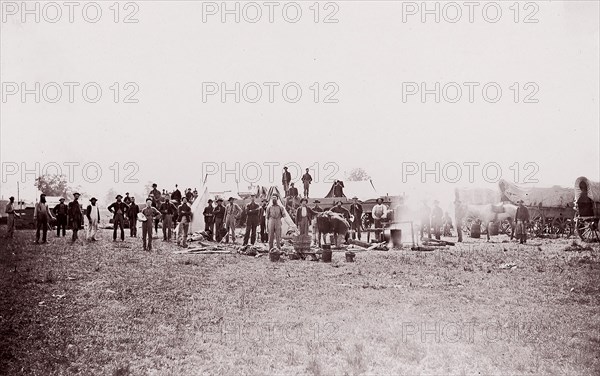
x,y
367,221
505,227
562,227
467,223
587,229
535,227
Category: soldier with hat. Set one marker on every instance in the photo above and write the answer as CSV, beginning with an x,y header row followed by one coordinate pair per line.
x,y
209,220
75,215
147,216
93,215
232,214
61,213
132,213
219,213
316,209
356,212
304,216
118,209
127,199
41,216
168,210
185,217
252,219
522,219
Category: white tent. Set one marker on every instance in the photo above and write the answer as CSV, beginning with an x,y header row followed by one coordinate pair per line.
x,y
197,209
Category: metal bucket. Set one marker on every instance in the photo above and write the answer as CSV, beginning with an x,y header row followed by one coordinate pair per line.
x,y
396,235
350,256
326,255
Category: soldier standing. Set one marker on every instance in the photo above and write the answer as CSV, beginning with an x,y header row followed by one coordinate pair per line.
x,y
75,215
60,211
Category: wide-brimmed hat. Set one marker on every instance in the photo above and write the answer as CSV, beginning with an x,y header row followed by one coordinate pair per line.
x,y
141,217
75,194
230,199
304,199
154,185
61,199
209,200
91,199
379,199
355,198
118,197
219,199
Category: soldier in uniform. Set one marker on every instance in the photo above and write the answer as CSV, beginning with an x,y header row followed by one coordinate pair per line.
x,y
219,213
75,215
209,220
522,219
119,210
252,219
356,211
60,211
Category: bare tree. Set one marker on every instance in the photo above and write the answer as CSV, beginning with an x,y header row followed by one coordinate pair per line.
x,y
358,174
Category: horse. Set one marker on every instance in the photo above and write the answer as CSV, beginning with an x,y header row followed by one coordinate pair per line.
x,y
331,223
488,213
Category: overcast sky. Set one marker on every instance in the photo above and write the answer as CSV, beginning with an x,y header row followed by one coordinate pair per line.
x,y
369,55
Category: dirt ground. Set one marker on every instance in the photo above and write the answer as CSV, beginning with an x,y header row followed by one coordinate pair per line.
x,y
475,309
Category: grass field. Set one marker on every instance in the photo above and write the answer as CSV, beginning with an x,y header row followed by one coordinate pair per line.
x,y
110,309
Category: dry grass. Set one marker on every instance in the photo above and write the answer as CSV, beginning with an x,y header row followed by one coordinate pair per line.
x,y
111,309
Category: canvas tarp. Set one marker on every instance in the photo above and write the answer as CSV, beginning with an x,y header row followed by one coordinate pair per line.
x,y
555,196
364,190
197,209
593,188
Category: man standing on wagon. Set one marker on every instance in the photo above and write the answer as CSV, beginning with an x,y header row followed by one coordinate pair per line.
x,y
306,181
286,178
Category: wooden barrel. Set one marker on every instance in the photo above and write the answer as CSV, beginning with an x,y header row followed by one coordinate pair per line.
x,y
494,228
475,230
